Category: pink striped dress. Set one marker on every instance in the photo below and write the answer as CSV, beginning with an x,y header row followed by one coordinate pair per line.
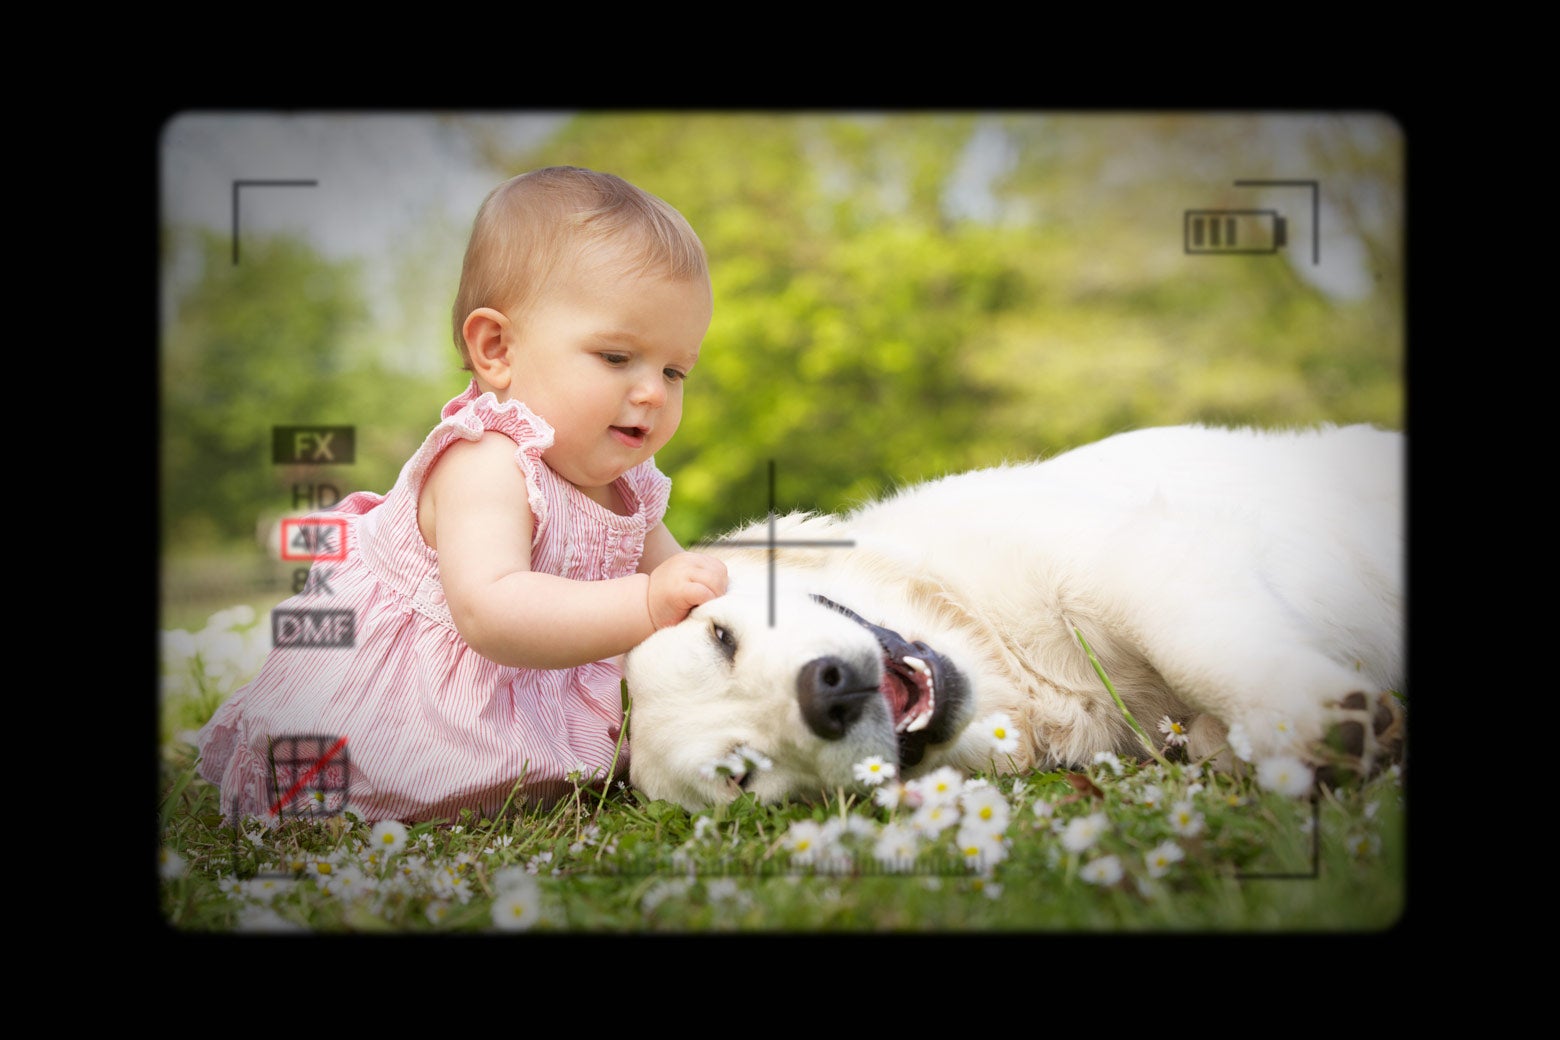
x,y
431,726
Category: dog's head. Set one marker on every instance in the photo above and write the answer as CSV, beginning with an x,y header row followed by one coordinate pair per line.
x,y
781,692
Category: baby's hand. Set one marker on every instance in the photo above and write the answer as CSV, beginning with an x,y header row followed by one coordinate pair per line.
x,y
681,583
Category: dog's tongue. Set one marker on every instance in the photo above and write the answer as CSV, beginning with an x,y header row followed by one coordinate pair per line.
x,y
907,684
896,692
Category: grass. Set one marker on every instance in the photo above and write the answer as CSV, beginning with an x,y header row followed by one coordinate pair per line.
x,y
609,860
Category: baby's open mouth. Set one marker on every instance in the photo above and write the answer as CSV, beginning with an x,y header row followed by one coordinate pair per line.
x,y
633,436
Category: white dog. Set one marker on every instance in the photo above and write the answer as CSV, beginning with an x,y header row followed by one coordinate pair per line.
x,y
1246,585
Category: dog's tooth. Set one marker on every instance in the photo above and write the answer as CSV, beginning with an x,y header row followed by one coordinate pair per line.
x,y
924,717
922,667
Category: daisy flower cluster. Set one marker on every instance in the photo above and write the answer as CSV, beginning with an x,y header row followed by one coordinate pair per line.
x,y
377,874
1103,835
1281,773
738,764
1121,825
202,669
1134,828
943,823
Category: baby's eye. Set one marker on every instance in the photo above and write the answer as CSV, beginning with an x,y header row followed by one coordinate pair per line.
x,y
615,359
674,375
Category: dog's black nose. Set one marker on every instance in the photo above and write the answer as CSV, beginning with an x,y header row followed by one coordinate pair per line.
x,y
831,694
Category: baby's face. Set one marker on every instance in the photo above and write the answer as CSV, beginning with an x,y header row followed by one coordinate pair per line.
x,y
602,358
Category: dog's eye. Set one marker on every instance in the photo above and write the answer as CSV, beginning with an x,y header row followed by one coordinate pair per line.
x,y
728,642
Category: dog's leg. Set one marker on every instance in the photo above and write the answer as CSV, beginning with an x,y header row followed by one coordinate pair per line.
x,y
1269,689
1263,656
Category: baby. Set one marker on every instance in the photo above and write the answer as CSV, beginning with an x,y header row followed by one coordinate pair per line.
x,y
522,548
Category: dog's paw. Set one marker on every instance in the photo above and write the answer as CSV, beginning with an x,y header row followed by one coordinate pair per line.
x,y
1361,738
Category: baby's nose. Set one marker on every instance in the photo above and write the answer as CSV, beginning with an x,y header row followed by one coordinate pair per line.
x,y
649,391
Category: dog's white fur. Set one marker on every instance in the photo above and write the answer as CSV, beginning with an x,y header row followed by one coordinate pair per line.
x,y
1220,576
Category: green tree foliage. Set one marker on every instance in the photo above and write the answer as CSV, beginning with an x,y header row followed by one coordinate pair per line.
x,y
896,296
269,342
876,324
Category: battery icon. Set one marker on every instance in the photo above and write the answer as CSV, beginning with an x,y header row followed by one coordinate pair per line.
x,y
1230,231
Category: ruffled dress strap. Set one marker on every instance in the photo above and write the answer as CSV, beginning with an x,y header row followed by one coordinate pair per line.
x,y
471,415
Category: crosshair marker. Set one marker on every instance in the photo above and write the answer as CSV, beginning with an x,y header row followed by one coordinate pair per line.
x,y
771,543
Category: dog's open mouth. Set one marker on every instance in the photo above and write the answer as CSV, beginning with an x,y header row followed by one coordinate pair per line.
x,y
917,685
910,686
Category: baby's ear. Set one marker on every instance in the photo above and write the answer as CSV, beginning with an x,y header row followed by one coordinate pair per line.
x,y
486,332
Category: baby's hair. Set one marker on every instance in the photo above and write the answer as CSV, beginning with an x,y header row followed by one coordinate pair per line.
x,y
532,224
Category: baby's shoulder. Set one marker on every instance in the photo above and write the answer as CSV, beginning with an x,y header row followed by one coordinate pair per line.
x,y
472,477
487,459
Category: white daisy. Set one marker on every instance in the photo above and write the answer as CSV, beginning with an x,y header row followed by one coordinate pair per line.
x,y
1285,774
345,882
987,887
981,847
1175,733
873,771
932,818
985,807
896,848
170,864
265,889
806,840
387,836
1083,831
940,786
896,795
517,908
1103,871
1362,846
1186,821
999,730
1161,857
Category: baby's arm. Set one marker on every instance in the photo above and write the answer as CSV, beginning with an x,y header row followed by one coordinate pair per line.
x,y
508,613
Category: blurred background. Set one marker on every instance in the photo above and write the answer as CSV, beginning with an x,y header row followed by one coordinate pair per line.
x,y
897,296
